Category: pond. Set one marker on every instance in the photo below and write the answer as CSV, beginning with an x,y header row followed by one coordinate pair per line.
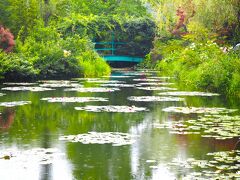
x,y
130,125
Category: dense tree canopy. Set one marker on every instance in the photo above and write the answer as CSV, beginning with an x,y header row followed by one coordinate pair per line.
x,y
55,37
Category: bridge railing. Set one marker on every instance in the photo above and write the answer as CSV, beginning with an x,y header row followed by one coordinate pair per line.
x,y
112,48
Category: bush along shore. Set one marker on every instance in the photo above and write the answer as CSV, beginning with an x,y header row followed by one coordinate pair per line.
x,y
197,50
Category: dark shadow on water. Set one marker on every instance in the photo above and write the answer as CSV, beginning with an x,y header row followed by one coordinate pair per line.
x,y
120,64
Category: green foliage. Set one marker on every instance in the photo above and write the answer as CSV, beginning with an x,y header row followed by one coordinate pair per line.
x,y
16,67
92,65
203,66
54,37
220,16
56,56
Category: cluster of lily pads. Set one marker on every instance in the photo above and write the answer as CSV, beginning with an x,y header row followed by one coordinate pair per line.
x,y
187,93
101,89
114,138
198,110
154,88
74,99
124,109
118,85
154,98
19,84
39,155
155,84
60,85
222,165
23,88
214,126
14,103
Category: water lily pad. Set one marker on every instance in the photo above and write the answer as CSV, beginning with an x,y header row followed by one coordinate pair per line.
x,y
198,110
214,126
60,85
114,138
155,84
118,85
151,161
14,103
154,98
57,81
38,155
19,84
126,109
93,89
187,93
210,169
154,88
147,80
74,99
34,89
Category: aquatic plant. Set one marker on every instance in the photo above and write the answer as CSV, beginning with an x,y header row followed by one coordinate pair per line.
x,y
14,103
74,99
198,110
187,93
125,109
114,138
208,126
79,89
154,88
154,98
23,88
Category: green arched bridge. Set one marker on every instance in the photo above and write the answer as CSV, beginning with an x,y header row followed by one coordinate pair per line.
x,y
112,57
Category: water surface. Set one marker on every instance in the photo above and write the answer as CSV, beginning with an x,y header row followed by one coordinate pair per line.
x,y
40,124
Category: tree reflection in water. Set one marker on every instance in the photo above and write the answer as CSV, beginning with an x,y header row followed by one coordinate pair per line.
x,y
7,118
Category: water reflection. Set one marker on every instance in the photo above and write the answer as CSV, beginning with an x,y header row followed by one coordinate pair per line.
x,y
7,118
40,124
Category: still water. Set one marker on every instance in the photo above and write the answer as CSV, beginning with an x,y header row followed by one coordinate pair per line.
x,y
31,146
